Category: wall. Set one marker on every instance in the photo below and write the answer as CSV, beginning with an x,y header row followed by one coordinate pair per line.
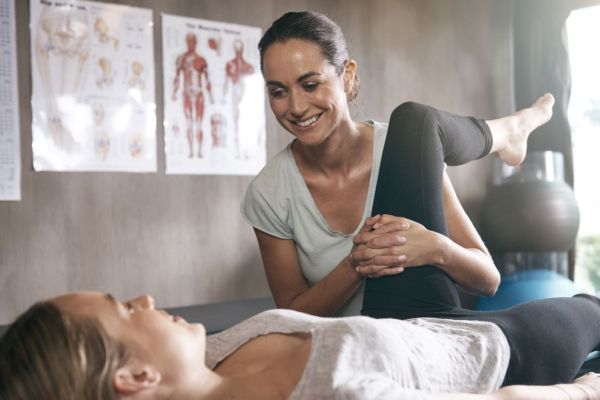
x,y
182,238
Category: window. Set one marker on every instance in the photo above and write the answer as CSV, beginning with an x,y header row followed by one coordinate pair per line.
x,y
583,30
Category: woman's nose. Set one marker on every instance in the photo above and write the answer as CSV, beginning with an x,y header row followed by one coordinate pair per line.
x,y
298,104
142,302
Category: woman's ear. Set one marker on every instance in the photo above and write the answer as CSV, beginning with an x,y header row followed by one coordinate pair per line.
x,y
135,377
350,67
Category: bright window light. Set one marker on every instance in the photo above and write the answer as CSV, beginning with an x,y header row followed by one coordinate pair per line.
x,y
583,30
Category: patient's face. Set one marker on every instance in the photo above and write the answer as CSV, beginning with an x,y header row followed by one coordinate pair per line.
x,y
169,343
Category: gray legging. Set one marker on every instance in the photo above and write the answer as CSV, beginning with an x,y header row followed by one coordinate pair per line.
x,y
548,339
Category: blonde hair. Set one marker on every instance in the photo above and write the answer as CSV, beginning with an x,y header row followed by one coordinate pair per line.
x,y
48,354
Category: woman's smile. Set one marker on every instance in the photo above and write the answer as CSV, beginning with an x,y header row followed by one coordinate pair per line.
x,y
308,122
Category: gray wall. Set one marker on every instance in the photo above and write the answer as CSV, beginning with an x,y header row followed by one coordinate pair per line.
x,y
181,238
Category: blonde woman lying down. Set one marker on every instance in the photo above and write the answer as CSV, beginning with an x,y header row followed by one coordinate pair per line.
x,y
90,346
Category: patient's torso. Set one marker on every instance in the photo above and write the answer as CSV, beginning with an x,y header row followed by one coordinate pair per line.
x,y
282,356
359,357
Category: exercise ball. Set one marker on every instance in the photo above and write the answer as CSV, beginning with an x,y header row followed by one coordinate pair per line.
x,y
523,286
530,216
530,207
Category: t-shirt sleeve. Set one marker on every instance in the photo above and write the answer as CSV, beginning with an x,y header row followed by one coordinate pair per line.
x,y
266,210
375,388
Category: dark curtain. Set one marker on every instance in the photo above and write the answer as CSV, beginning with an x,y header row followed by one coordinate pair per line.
x,y
541,64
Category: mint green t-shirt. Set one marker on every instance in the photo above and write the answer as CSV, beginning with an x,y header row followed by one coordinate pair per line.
x,y
279,203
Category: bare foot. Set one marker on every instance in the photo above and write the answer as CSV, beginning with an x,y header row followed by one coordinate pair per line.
x,y
519,126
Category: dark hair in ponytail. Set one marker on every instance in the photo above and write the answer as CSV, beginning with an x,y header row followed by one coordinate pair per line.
x,y
313,27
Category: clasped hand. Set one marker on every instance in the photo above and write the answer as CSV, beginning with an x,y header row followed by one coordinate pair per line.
x,y
387,244
590,384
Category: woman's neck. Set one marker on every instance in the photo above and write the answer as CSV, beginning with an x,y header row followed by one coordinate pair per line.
x,y
340,153
212,386
259,386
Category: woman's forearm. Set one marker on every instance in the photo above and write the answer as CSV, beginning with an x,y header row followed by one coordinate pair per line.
x,y
522,392
328,295
289,285
471,268
572,391
465,257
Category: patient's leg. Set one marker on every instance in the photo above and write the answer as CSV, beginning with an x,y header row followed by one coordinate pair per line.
x,y
549,339
510,133
420,140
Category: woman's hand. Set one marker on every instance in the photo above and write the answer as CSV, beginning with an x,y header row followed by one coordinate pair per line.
x,y
387,244
589,383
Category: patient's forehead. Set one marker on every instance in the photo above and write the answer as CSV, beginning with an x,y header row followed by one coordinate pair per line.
x,y
82,302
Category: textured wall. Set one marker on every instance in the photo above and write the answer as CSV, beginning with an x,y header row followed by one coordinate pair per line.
x,y
181,238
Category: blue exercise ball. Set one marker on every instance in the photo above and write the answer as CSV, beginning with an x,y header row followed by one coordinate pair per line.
x,y
523,286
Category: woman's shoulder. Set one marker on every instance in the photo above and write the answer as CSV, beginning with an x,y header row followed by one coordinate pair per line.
x,y
278,168
267,202
379,128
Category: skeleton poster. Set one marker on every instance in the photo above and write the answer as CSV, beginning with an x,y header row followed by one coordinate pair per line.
x,y
93,87
214,97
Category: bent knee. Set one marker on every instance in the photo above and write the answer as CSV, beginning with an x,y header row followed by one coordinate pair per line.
x,y
416,118
411,110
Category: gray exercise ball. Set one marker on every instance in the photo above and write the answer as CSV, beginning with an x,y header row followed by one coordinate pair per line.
x,y
530,216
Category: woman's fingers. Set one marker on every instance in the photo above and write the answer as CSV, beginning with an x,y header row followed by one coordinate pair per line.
x,y
397,223
386,255
377,271
393,229
367,227
590,383
392,260
389,240
388,271
370,222
377,265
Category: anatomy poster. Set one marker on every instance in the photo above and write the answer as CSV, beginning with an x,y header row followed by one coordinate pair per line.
x,y
214,97
93,87
10,160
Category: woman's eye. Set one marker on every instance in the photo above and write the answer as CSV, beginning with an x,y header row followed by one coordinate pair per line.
x,y
277,93
310,86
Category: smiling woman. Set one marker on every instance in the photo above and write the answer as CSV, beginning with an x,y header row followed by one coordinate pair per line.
x,y
306,93
323,237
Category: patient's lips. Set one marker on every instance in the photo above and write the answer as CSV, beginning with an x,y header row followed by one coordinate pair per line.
x,y
174,318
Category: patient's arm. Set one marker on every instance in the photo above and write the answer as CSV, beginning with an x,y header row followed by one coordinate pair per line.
x,y
586,387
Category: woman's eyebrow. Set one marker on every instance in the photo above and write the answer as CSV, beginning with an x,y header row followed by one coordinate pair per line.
x,y
307,75
302,77
274,83
112,299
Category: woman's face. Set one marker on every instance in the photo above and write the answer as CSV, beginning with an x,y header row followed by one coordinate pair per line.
x,y
169,343
305,93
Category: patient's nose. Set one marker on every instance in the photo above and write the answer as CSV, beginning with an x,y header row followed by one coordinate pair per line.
x,y
142,302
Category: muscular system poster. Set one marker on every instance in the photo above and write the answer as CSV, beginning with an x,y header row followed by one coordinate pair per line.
x,y
214,117
93,87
